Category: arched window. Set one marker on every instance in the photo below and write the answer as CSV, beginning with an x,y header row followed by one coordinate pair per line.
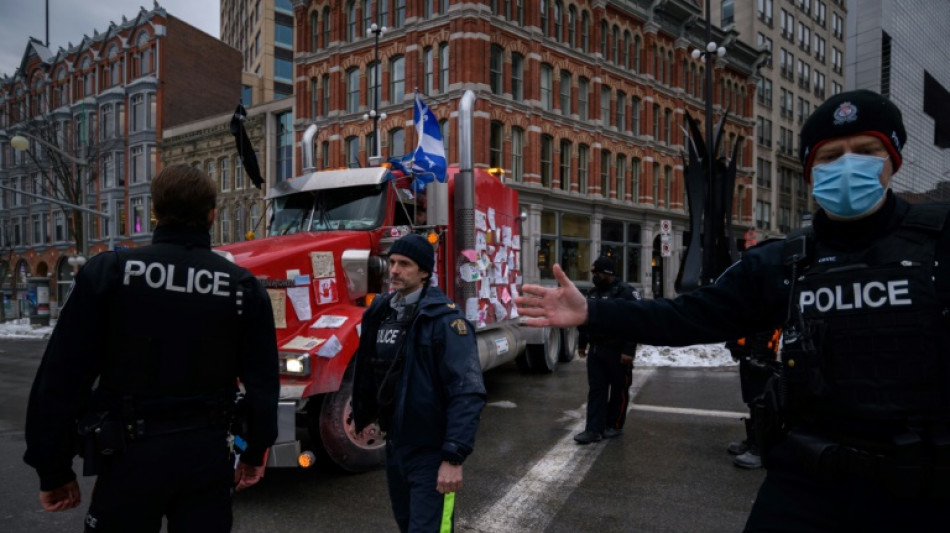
x,y
428,70
585,31
351,23
604,40
625,51
558,13
326,27
397,142
637,52
572,26
583,168
397,79
565,165
145,58
314,32
443,67
352,151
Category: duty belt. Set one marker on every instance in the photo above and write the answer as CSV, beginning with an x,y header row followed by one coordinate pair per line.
x,y
153,427
904,470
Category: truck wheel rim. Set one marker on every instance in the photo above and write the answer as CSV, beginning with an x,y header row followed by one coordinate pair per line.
x,y
372,437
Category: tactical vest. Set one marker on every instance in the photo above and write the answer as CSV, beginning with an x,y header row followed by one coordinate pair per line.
x,y
172,332
868,338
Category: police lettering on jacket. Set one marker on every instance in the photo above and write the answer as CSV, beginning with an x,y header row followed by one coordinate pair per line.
x,y
163,276
856,295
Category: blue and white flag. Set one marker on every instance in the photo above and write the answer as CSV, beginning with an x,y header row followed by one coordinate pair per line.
x,y
428,161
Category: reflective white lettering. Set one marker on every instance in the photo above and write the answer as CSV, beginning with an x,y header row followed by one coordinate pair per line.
x,y
841,304
133,268
162,276
896,289
805,299
824,299
207,288
878,286
872,294
170,286
153,267
220,283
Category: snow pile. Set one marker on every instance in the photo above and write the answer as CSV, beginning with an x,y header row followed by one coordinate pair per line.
x,y
22,329
698,355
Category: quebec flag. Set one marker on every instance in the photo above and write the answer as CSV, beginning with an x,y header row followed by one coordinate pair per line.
x,y
428,161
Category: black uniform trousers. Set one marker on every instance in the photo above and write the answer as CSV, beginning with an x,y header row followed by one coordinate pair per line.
x,y
412,476
608,395
187,477
791,500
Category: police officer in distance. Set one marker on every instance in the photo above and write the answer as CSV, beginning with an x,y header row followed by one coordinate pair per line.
x,y
418,376
864,295
146,356
609,362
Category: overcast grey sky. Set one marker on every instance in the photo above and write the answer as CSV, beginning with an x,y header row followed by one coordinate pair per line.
x,y
69,20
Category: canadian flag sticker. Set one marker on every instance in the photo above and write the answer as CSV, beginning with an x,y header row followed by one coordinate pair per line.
x,y
326,291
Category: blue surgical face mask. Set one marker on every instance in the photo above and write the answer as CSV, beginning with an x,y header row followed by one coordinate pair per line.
x,y
850,186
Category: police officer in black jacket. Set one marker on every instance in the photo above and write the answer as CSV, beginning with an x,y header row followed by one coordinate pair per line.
x,y
863,434
145,358
609,362
418,375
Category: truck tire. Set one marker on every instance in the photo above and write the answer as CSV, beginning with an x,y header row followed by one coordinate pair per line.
x,y
543,358
337,433
568,345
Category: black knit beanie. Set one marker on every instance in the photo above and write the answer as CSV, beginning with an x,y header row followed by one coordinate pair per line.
x,y
417,248
860,112
603,265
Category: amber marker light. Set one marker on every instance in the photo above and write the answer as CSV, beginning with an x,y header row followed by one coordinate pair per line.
x,y
305,460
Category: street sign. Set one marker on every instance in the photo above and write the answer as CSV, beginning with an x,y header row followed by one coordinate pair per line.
x,y
666,227
666,249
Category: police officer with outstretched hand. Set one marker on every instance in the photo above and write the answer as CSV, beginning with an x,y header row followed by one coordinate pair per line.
x,y
418,376
858,432
141,375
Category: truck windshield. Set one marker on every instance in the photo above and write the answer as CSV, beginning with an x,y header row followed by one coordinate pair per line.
x,y
354,208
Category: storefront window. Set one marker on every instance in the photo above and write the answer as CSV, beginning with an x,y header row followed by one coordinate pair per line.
x,y
621,242
565,239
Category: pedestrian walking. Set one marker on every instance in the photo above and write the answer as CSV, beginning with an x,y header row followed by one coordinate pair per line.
x,y
418,376
859,430
144,363
609,362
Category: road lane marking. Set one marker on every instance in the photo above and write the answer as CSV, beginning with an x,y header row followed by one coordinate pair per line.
x,y
688,411
533,502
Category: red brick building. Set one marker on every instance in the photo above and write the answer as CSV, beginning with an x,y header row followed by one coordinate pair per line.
x,y
104,101
582,103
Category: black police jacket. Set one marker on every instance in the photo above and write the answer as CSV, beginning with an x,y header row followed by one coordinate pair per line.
x,y
752,294
440,394
166,329
608,346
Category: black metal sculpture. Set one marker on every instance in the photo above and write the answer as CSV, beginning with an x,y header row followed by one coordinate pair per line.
x,y
711,248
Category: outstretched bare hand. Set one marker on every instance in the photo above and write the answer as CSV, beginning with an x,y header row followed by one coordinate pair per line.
x,y
561,307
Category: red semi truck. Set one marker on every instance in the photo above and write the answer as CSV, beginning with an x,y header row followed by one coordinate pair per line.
x,y
325,258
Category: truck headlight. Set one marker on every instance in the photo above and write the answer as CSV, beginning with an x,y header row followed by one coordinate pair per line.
x,y
295,363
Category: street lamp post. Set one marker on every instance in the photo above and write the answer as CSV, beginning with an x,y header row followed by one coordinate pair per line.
x,y
21,143
377,157
712,51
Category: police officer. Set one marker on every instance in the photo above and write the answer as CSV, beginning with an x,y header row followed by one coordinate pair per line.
x,y
757,355
609,363
865,293
418,376
146,356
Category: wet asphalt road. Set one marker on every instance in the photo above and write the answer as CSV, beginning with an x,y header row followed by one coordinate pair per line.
x,y
668,472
